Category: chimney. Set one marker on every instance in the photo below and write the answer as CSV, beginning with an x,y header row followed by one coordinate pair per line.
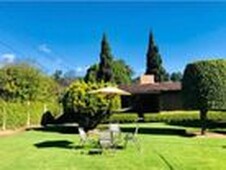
x,y
147,79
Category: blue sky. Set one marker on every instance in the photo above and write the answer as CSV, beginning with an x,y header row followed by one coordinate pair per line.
x,y
67,35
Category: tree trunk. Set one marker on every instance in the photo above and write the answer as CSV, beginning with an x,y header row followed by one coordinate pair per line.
x,y
4,119
203,117
140,117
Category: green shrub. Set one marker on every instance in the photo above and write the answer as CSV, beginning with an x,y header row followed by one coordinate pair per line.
x,y
122,118
88,108
171,116
167,117
23,82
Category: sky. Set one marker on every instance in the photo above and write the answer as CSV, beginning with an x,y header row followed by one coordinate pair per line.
x,y
67,35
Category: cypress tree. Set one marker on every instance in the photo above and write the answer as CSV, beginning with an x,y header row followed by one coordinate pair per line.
x,y
154,61
109,69
105,72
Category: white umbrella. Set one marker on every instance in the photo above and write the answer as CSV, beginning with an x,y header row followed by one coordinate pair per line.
x,y
110,91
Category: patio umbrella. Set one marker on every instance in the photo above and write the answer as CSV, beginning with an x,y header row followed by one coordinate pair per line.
x,y
110,91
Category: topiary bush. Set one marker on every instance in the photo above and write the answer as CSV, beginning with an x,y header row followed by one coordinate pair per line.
x,y
88,109
204,87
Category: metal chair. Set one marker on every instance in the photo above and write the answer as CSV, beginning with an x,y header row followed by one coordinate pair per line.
x,y
92,146
82,135
105,139
133,137
116,135
84,138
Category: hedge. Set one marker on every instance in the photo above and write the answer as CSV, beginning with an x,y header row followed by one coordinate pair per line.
x,y
166,117
15,114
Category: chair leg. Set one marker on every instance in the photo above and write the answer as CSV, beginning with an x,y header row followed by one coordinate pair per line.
x,y
126,139
136,143
125,143
81,143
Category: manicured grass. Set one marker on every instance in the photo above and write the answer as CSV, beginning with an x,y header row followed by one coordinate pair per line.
x,y
163,147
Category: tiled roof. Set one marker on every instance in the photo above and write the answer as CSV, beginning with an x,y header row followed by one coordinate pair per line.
x,y
151,88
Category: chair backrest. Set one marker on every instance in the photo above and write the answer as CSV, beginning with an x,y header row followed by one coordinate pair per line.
x,y
105,135
105,139
82,133
114,128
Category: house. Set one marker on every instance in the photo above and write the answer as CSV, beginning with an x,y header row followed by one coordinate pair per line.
x,y
149,96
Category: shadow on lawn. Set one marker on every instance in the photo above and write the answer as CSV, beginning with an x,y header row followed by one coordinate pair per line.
x,y
64,144
58,129
211,124
222,132
159,131
142,130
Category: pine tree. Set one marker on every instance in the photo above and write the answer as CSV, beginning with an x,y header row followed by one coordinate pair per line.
x,y
105,72
154,61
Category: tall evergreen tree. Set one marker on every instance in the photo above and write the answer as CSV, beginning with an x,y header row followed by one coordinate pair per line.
x,y
109,69
154,61
105,72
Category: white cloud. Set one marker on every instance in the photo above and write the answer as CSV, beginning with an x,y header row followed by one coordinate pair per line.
x,y
44,48
80,69
8,57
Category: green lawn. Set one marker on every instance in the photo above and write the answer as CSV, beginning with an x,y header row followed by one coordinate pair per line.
x,y
163,147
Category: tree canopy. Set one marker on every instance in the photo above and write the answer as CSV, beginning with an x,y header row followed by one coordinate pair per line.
x,y
26,83
122,73
91,74
204,86
154,61
176,76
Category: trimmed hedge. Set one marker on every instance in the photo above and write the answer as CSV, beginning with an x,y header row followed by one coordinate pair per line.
x,y
16,114
122,118
166,117
204,85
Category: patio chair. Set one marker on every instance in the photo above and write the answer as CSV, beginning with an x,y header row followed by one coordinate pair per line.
x,y
84,137
92,146
105,139
115,132
133,137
